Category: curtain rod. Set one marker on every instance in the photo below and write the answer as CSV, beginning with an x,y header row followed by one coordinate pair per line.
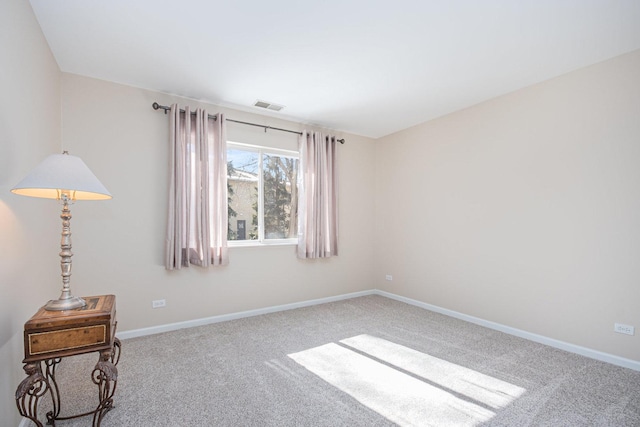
x,y
157,106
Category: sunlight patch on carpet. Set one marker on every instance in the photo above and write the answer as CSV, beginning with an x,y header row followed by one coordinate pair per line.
x,y
417,390
473,384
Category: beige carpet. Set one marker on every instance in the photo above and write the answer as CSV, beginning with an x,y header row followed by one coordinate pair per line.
x,y
368,361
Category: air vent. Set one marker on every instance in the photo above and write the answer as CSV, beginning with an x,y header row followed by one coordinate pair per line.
x,y
268,105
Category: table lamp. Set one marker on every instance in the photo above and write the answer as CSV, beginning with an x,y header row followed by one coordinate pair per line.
x,y
63,177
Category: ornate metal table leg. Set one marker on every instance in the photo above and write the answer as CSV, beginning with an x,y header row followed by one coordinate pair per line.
x,y
115,355
30,390
50,374
105,376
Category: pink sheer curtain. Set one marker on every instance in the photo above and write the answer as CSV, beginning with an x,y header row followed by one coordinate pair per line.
x,y
197,217
318,201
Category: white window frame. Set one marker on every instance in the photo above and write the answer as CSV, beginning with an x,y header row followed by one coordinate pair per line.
x,y
260,150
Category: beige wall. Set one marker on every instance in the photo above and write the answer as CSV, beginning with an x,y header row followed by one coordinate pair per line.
x,y
523,210
29,228
118,244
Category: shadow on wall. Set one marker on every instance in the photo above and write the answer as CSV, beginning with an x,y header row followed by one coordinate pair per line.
x,y
16,295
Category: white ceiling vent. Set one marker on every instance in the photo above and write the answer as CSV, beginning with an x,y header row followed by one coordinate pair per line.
x,y
268,105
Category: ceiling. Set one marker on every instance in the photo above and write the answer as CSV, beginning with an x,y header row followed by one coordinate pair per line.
x,y
366,67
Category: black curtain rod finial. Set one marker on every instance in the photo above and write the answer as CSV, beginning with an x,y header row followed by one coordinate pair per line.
x,y
157,106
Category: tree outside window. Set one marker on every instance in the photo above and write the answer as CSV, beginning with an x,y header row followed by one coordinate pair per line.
x,y
263,194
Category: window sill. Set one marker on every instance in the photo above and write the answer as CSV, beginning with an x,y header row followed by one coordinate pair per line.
x,y
257,244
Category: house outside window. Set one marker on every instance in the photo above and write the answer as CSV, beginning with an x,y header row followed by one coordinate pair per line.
x,y
263,195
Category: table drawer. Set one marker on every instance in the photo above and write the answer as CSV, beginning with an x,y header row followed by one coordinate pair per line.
x,y
67,339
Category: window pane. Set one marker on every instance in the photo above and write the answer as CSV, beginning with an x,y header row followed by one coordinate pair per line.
x,y
242,185
280,177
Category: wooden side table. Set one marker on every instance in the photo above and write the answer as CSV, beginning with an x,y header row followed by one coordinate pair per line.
x,y
50,336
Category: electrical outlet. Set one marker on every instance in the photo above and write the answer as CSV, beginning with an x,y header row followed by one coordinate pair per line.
x,y
159,303
388,277
623,329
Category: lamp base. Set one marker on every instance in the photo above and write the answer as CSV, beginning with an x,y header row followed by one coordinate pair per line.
x,y
65,304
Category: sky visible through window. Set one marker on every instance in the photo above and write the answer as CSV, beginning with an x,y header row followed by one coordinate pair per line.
x,y
243,160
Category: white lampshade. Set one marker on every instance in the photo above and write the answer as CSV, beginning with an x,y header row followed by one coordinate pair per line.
x,y
61,173
66,178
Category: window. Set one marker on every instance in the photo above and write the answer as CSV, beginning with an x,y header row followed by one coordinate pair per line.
x,y
263,195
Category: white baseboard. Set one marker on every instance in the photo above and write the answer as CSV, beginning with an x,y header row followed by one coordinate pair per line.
x,y
572,348
583,351
233,316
